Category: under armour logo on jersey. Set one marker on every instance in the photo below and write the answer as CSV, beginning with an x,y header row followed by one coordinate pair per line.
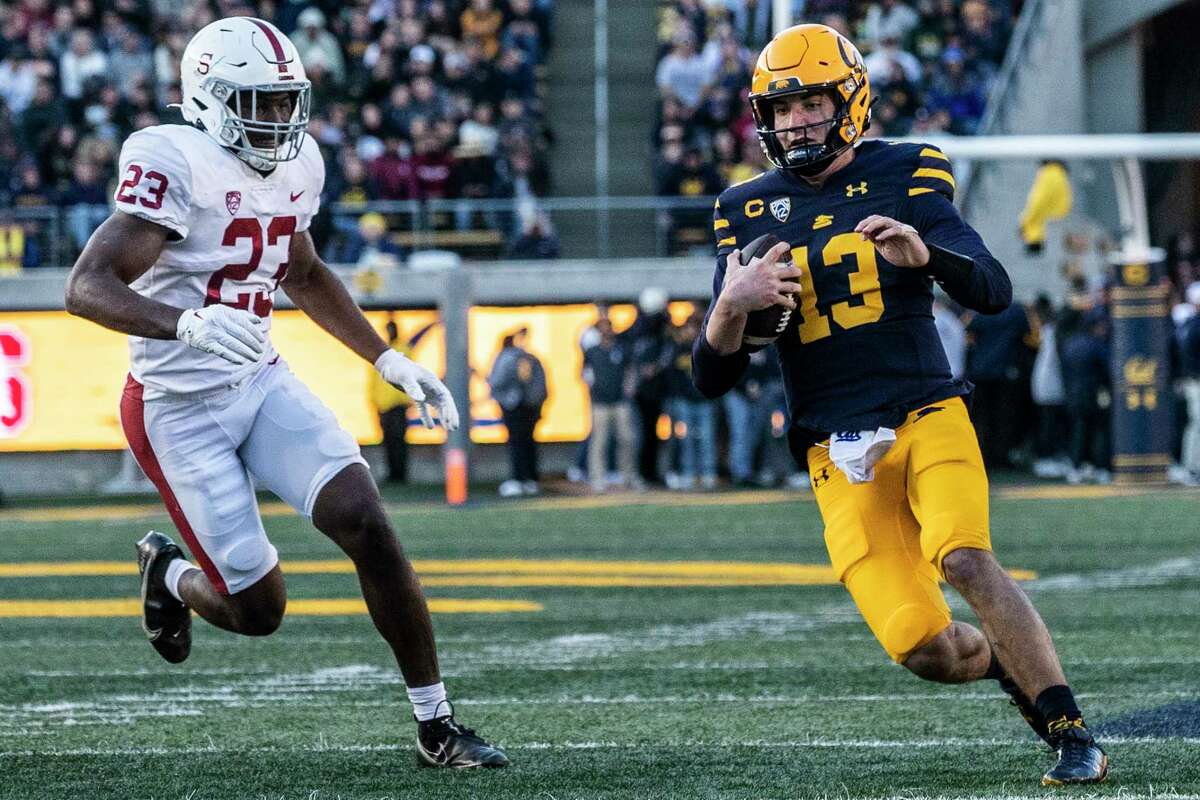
x,y
820,478
781,207
233,201
851,189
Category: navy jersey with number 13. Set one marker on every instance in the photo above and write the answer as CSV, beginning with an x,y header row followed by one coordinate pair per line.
x,y
861,351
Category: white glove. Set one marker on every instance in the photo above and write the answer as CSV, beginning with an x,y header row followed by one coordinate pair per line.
x,y
421,385
855,453
231,333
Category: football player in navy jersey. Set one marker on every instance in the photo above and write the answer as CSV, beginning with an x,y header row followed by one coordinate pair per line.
x,y
867,227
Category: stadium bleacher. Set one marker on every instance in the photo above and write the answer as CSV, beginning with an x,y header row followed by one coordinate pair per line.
x,y
930,64
413,100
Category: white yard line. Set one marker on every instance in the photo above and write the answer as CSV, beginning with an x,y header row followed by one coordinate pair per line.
x,y
813,743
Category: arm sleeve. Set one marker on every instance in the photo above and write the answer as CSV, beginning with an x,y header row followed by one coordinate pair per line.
x,y
155,182
713,373
958,259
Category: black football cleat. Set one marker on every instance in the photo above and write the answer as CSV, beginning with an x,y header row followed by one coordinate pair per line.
x,y
1080,759
166,621
442,742
1028,710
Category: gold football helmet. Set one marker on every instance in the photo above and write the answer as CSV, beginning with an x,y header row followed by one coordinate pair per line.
x,y
806,59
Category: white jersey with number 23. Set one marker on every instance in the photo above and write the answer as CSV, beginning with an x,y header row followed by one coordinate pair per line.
x,y
230,230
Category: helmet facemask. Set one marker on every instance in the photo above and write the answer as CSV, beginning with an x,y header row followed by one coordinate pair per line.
x,y
812,157
263,144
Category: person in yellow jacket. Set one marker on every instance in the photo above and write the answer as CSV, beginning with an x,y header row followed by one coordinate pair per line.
x,y
392,406
1049,199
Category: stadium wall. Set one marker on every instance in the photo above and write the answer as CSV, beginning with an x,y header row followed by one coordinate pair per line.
x,y
64,437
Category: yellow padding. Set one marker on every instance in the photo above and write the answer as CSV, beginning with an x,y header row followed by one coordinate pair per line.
x,y
910,627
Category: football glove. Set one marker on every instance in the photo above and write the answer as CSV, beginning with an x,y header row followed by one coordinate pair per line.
x,y
421,385
231,333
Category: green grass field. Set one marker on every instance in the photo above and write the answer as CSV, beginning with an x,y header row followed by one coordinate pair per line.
x,y
648,679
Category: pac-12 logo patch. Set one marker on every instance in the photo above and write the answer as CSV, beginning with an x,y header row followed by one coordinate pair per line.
x,y
16,395
781,207
233,201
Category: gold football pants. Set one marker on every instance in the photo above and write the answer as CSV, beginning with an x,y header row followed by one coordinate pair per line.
x,y
887,538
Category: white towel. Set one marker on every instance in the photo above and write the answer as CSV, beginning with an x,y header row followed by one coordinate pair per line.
x,y
855,453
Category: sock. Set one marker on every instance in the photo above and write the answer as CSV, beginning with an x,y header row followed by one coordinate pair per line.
x,y
426,699
1057,703
175,571
995,672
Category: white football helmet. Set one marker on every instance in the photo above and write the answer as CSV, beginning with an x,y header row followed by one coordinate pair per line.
x,y
224,69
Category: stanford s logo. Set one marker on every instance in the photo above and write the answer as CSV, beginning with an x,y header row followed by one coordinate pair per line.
x,y
781,207
233,201
852,190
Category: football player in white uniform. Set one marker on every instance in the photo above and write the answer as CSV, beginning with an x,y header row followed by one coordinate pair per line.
x,y
211,218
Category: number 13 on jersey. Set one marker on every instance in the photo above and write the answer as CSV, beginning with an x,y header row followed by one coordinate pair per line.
x,y
864,283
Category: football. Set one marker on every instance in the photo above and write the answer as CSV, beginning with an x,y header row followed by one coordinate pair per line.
x,y
765,325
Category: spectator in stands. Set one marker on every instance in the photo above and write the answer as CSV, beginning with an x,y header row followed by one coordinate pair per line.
x,y
694,415
752,19
888,19
1189,360
82,61
748,415
682,74
606,373
953,334
891,64
86,201
392,405
132,64
18,79
41,117
1084,356
522,31
316,44
515,72
982,34
958,92
481,22
393,175
650,352
993,366
479,130
1046,386
692,177
518,384
537,239
433,168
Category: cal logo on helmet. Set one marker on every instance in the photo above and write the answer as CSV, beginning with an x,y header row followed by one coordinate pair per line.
x,y
781,208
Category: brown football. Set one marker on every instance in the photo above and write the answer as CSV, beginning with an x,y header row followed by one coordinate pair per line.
x,y
764,326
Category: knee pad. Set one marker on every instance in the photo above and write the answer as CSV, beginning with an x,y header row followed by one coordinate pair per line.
x,y
909,627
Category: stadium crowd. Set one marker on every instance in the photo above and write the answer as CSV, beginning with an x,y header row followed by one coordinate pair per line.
x,y
412,100
931,63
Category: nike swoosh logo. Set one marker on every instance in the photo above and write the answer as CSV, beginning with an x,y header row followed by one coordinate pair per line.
x,y
296,196
924,412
